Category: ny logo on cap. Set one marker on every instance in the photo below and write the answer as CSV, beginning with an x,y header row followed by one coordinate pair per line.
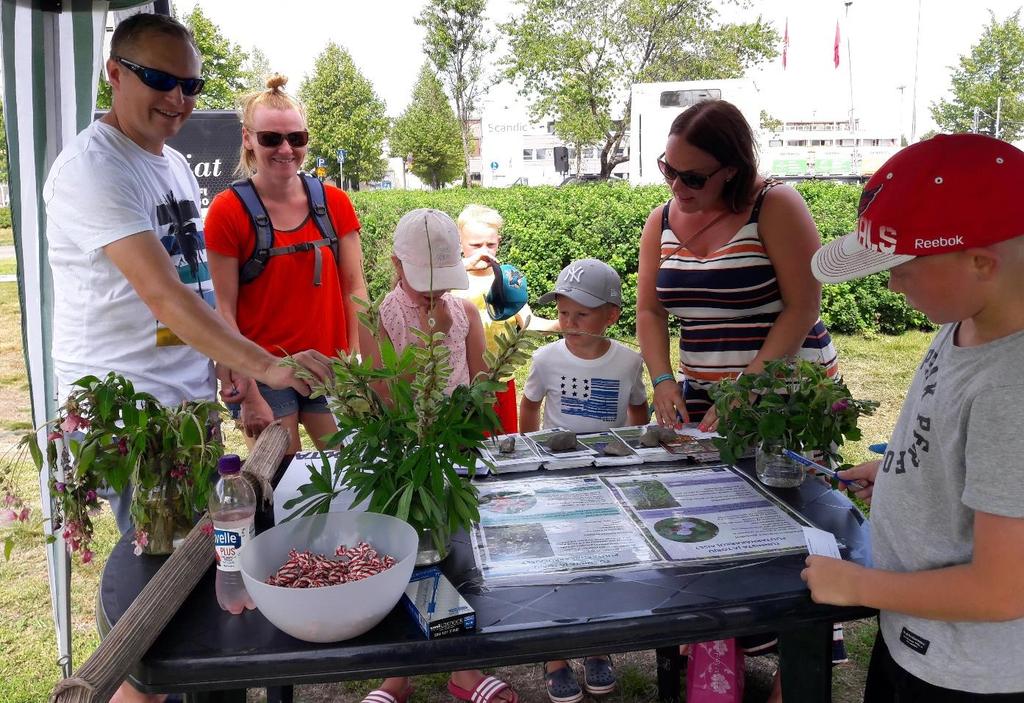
x,y
574,274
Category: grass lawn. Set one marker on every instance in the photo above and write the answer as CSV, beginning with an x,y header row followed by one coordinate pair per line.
x,y
8,266
6,236
878,367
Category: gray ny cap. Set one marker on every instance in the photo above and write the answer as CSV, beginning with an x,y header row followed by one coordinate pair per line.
x,y
589,282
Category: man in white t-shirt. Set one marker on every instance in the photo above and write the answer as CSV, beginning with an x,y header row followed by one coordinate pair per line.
x,y
132,291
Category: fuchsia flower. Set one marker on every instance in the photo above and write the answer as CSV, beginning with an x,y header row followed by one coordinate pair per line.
x,y
54,436
140,541
10,499
840,405
122,446
60,486
86,556
23,515
8,517
90,496
208,528
73,422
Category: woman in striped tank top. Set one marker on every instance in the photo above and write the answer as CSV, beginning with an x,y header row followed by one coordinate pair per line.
x,y
729,256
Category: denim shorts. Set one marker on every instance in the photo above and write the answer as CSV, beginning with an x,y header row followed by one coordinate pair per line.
x,y
284,402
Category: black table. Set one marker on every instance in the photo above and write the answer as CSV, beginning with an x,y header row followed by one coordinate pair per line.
x,y
204,649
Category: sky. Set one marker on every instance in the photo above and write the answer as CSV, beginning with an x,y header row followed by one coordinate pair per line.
x,y
877,40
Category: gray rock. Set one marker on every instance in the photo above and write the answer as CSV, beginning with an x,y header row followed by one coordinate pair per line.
x,y
656,435
617,448
561,442
507,445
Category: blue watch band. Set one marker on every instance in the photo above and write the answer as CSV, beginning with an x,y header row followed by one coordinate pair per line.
x,y
662,377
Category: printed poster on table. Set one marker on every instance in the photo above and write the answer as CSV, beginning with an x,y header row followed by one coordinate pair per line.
x,y
709,514
534,526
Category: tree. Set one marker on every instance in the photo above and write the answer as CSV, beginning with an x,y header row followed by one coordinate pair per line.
x,y
256,70
344,112
429,131
222,63
769,123
575,60
457,44
990,79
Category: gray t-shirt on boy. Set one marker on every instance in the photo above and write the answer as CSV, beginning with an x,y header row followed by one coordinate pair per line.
x,y
957,448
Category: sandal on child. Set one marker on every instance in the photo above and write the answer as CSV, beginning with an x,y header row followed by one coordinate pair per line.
x,y
487,690
598,676
562,685
381,696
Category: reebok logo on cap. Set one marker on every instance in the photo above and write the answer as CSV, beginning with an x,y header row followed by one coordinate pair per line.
x,y
945,194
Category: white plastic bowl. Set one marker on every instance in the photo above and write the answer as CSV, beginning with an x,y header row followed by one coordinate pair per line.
x,y
330,613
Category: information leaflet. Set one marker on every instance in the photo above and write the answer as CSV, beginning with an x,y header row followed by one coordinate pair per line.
x,y
709,514
552,525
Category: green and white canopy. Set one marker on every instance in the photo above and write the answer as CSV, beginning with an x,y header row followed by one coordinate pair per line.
x,y
51,62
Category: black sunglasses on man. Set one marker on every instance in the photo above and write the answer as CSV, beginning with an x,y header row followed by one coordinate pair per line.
x,y
162,81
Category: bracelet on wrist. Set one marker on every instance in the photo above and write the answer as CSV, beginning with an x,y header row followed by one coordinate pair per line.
x,y
662,377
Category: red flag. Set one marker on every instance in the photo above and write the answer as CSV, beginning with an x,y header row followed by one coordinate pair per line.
x,y
835,47
785,44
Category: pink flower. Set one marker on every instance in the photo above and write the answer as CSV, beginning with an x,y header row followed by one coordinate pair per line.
x,y
122,446
90,496
208,528
86,556
8,517
59,486
72,422
840,405
54,436
9,499
23,515
140,541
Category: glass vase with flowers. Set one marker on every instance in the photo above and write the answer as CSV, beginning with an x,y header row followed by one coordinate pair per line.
x,y
107,434
791,404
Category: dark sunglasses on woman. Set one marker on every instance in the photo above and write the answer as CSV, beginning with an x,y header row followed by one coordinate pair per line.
x,y
159,80
274,139
690,179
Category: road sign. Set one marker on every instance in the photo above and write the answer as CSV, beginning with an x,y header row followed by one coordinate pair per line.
x,y
321,162
321,172
385,185
341,155
494,165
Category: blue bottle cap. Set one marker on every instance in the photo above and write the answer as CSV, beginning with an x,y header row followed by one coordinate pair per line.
x,y
229,464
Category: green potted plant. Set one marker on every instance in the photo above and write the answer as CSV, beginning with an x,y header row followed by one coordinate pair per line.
x,y
401,440
792,404
108,434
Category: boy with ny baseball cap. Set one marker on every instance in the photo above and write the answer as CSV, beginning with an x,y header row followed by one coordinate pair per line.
x,y
587,383
945,217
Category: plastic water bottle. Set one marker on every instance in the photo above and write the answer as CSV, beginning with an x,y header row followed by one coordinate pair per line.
x,y
232,507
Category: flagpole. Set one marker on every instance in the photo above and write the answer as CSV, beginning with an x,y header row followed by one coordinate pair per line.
x,y
913,93
854,157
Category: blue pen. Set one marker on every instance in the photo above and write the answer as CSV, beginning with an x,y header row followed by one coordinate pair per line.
x,y
879,448
432,605
823,469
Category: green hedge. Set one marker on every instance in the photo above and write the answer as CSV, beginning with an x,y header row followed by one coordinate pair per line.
x,y
5,218
547,227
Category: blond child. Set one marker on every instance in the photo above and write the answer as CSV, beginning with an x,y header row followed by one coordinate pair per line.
x,y
480,236
586,383
945,217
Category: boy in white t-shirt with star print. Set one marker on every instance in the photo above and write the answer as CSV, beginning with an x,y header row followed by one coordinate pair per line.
x,y
586,383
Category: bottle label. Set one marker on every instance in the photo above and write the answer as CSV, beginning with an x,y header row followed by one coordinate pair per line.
x,y
227,542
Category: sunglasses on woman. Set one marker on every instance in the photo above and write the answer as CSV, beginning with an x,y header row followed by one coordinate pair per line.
x,y
274,139
691,179
159,80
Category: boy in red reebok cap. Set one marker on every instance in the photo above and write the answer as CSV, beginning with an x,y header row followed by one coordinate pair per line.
x,y
945,216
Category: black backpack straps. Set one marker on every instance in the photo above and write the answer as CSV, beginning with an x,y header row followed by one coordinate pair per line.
x,y
318,209
264,240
